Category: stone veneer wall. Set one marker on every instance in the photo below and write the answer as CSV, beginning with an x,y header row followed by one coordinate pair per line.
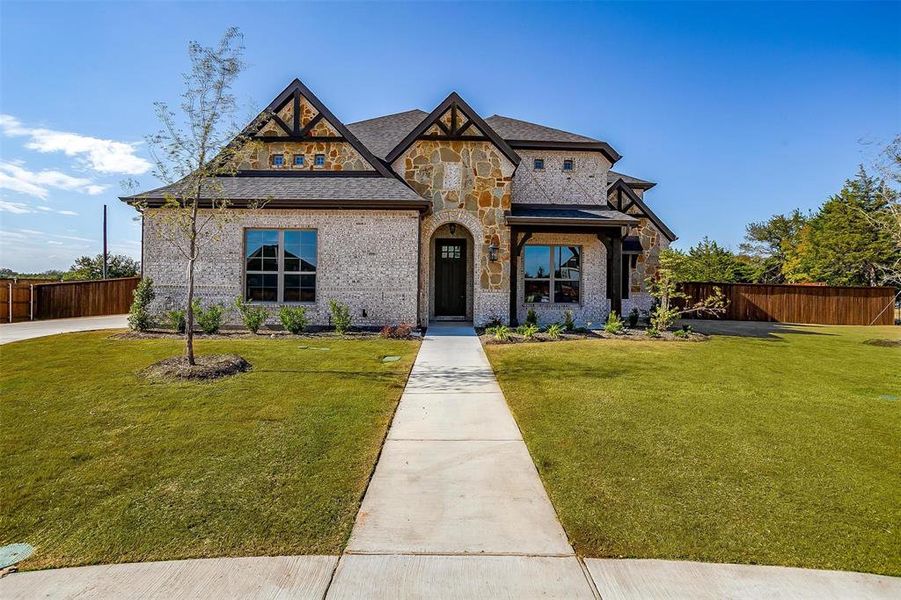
x,y
339,156
469,183
653,241
585,184
367,259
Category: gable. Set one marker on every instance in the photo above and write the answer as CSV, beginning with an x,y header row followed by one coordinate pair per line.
x,y
298,123
454,120
622,198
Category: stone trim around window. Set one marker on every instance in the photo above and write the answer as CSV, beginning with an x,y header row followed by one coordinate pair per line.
x,y
270,268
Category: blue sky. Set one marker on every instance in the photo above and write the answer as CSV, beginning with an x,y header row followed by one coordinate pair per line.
x,y
738,110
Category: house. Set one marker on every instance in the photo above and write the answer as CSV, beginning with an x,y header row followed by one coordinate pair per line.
x,y
418,216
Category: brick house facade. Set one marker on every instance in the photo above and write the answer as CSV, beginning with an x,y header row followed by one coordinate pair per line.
x,y
417,216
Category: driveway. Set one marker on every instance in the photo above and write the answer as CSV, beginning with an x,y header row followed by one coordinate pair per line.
x,y
14,332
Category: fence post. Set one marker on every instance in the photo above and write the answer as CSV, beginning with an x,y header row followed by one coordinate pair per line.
x,y
31,303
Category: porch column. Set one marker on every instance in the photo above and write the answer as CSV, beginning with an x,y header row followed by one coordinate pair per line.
x,y
616,274
515,250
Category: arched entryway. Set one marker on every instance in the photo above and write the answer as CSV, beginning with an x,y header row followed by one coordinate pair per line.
x,y
451,272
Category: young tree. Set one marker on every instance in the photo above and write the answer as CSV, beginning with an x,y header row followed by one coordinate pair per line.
x,y
672,303
195,149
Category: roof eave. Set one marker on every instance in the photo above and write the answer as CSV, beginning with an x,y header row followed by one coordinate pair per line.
x,y
603,147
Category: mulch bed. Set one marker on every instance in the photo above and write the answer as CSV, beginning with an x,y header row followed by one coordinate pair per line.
x,y
209,366
627,334
883,343
238,334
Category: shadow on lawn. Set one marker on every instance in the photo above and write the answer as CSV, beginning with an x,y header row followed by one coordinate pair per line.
x,y
763,330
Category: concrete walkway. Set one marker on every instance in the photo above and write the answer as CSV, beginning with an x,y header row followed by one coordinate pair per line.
x,y
14,332
455,508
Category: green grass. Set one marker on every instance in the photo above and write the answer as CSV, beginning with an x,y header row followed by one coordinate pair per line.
x,y
781,450
101,465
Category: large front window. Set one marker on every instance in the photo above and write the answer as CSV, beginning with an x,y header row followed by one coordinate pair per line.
x,y
552,274
280,265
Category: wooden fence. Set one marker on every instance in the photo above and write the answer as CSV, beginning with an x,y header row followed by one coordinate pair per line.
x,y
827,305
23,300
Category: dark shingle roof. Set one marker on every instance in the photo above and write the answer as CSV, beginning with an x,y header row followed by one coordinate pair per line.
x,y
514,129
326,189
382,134
613,176
568,213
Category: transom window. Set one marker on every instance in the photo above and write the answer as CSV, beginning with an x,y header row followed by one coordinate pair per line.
x,y
319,160
298,160
568,164
277,160
552,274
538,164
280,265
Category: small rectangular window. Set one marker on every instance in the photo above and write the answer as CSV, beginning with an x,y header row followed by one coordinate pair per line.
x,y
298,160
538,164
567,164
277,160
319,160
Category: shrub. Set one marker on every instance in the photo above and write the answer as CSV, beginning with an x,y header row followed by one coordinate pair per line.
x,y
252,316
293,318
176,319
682,333
210,319
531,317
554,330
528,330
494,322
663,318
652,332
401,332
340,314
568,323
139,318
500,332
633,318
614,324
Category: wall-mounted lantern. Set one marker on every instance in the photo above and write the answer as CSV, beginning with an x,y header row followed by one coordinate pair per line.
x,y
453,228
492,252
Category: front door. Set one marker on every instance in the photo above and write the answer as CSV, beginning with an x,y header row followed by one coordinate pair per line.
x,y
450,278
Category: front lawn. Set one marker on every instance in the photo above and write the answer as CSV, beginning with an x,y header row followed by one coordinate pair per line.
x,y
103,465
782,449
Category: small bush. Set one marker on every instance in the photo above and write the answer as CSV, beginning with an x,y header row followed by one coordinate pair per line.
x,y
527,331
252,316
340,314
500,332
209,319
554,330
614,324
652,332
568,323
293,318
176,320
633,318
531,317
401,332
139,318
682,333
494,322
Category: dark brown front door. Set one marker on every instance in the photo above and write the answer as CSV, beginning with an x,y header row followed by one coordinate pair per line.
x,y
450,278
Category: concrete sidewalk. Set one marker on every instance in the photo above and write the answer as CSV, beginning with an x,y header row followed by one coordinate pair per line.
x,y
455,507
26,330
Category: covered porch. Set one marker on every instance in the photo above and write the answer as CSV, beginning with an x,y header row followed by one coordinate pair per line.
x,y
571,227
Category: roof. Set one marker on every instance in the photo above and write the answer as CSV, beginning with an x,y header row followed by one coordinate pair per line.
x,y
635,182
567,214
361,192
382,134
515,129
642,206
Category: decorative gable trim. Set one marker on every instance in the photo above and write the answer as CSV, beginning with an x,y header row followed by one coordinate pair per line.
x,y
622,198
294,132
464,125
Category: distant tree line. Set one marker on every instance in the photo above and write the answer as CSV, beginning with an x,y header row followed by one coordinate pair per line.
x,y
84,268
853,238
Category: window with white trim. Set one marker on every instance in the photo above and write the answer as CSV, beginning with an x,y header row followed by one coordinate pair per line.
x,y
280,265
552,274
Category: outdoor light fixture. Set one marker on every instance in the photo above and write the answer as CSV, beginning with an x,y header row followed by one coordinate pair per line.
x,y
453,228
492,252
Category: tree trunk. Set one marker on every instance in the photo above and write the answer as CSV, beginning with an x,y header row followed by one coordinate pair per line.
x,y
189,310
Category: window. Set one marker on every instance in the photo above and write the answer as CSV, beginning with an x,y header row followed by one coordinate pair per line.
x,y
280,265
277,160
552,274
319,160
298,160
538,164
567,164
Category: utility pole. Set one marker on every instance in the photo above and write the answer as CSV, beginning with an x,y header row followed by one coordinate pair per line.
x,y
104,242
